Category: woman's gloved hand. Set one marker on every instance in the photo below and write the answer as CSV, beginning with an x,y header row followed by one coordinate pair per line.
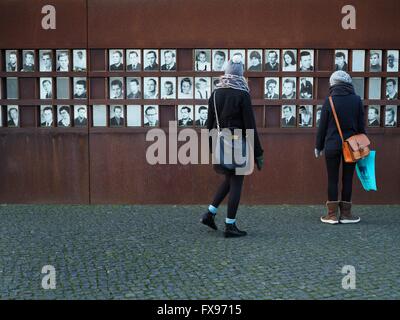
x,y
260,162
317,153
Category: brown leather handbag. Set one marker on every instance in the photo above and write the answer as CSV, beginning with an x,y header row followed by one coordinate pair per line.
x,y
354,148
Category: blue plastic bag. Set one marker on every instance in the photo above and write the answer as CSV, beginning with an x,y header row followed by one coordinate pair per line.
x,y
366,172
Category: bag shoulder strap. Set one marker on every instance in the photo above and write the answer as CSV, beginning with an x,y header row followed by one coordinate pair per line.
x,y
216,113
336,118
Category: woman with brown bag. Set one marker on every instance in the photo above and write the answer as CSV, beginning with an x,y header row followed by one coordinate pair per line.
x,y
350,113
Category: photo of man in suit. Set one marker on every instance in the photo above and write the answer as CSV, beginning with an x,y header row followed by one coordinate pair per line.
x,y
169,61
391,89
46,91
390,116
288,116
134,61
340,61
117,120
46,64
289,88
202,116
151,116
151,61
116,91
272,61
150,89
134,89
271,89
373,116
63,61
64,116
13,116
80,89
81,119
375,62
12,63
392,61
29,61
306,61
47,116
117,61
185,118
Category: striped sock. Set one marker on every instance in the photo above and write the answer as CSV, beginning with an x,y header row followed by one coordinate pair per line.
x,y
230,221
212,209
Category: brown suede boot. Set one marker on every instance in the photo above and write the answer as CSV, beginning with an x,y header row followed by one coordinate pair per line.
x,y
345,213
331,217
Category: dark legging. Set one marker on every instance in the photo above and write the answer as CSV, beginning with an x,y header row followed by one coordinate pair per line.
x,y
232,184
333,159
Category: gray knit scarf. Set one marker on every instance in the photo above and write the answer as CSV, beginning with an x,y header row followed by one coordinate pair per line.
x,y
232,81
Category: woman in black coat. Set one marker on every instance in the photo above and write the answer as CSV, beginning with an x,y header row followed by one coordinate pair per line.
x,y
350,112
234,110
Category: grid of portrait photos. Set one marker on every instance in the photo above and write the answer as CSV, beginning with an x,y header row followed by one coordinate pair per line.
x,y
137,83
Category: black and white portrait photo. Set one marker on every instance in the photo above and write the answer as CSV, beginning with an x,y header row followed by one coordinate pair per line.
x,y
289,60
202,87
116,59
341,62
240,54
133,88
318,111
46,116
28,60
12,88
185,90
151,116
202,60
374,116
80,89
150,87
272,60
391,116
375,60
11,60
271,88
80,112
117,118
168,88
305,116
45,60
79,60
64,116
219,59
288,117
63,88
185,115
374,88
307,60
392,89
306,88
358,61
254,60
150,57
133,60
392,61
12,116
116,88
46,88
168,60
133,115
99,115
289,88
62,60
201,115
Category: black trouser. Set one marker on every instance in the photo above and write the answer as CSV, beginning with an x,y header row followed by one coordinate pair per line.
x,y
232,184
333,159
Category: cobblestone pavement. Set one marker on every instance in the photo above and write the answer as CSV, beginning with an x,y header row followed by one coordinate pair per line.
x,y
163,252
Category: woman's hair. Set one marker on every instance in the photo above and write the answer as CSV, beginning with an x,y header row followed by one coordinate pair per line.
x,y
291,55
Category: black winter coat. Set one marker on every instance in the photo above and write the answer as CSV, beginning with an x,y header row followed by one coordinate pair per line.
x,y
234,111
350,112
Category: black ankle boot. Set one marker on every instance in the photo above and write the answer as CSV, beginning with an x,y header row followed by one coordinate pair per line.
x,y
231,231
209,220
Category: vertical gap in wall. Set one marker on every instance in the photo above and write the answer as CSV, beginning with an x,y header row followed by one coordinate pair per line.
x,y
89,109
